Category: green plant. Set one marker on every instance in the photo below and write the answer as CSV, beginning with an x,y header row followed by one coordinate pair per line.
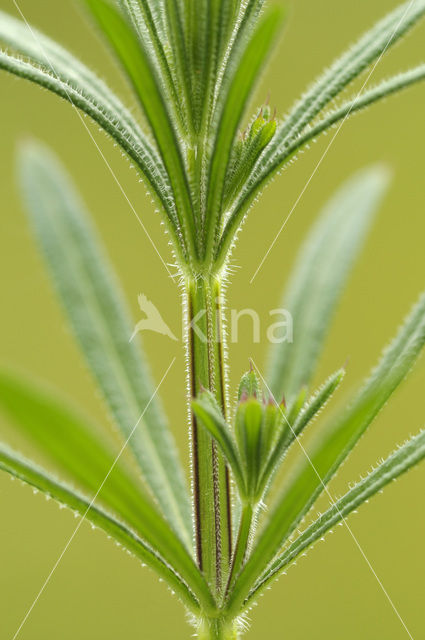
x,y
193,66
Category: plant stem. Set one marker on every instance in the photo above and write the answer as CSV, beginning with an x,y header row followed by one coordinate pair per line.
x,y
217,629
210,478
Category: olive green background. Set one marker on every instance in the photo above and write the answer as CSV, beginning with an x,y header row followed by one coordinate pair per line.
x,y
98,591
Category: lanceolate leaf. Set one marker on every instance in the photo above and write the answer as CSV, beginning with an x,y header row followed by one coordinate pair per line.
x,y
18,467
352,106
357,103
407,456
349,66
220,24
100,321
366,51
317,402
211,419
148,88
309,412
242,26
75,446
149,28
321,271
236,99
331,447
199,48
174,12
46,63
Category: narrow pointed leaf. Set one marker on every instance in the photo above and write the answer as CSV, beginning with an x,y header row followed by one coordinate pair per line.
x,y
174,12
100,321
47,64
219,24
149,28
75,446
377,41
317,402
406,457
331,447
242,84
388,87
211,419
147,86
349,66
382,90
291,432
199,44
33,475
243,25
320,273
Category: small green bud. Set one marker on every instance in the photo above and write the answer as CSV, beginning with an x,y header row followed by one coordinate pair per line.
x,y
261,133
249,385
257,126
267,133
267,112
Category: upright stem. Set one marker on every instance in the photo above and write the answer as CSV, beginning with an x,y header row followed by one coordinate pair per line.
x,y
210,478
218,630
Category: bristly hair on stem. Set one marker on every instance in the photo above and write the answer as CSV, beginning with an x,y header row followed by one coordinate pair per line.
x,y
204,154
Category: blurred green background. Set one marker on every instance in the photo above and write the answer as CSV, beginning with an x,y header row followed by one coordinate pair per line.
x,y
97,590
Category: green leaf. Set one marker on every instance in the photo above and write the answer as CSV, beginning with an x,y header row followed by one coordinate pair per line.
x,y
72,444
240,89
384,89
241,28
376,42
317,402
46,63
311,409
99,318
320,273
347,68
148,26
18,467
406,457
219,27
153,99
174,12
199,48
330,448
357,103
211,419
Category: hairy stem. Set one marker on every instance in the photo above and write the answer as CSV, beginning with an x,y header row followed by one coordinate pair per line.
x,y
218,630
210,478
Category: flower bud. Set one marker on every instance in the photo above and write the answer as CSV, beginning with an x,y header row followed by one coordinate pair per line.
x,y
249,385
267,112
